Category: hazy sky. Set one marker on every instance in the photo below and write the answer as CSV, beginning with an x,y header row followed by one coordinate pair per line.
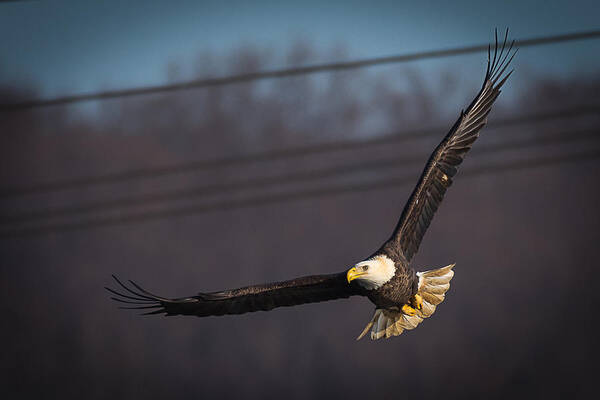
x,y
75,46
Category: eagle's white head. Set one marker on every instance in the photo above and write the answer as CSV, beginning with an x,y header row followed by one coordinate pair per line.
x,y
372,273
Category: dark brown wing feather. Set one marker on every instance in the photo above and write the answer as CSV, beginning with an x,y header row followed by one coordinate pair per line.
x,y
308,289
443,163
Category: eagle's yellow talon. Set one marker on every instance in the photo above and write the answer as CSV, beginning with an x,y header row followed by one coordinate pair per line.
x,y
417,302
408,310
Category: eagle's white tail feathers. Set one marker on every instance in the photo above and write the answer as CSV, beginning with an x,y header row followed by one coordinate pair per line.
x,y
433,286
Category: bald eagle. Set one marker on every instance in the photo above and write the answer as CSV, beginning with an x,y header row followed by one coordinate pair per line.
x,y
402,296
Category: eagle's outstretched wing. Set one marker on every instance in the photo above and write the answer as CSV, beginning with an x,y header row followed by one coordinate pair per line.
x,y
265,297
443,163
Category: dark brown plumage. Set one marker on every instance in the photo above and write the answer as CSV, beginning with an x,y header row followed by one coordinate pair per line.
x,y
402,296
443,163
263,297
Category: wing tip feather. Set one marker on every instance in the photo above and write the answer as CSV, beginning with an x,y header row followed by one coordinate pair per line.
x,y
143,299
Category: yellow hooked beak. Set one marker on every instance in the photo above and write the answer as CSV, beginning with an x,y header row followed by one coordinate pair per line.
x,y
353,273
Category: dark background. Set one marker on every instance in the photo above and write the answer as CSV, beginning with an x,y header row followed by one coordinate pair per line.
x,y
521,222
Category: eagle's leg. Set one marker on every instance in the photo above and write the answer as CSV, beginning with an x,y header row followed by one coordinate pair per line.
x,y
416,303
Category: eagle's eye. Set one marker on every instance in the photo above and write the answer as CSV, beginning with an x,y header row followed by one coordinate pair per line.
x,y
365,267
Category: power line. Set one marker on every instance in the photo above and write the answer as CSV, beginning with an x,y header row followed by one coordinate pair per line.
x,y
280,73
288,197
285,179
334,146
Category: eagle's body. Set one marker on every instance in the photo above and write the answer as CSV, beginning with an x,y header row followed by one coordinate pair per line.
x,y
399,289
402,296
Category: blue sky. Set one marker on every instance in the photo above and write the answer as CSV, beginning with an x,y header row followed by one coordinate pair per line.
x,y
63,47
